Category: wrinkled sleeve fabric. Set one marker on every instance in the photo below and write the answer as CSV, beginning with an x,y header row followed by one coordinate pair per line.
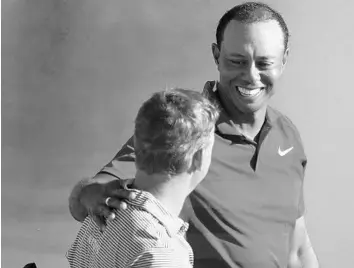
x,y
122,165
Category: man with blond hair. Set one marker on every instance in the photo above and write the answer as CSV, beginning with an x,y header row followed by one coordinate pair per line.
x,y
173,141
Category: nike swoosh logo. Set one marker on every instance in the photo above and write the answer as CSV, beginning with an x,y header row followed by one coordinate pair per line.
x,y
282,153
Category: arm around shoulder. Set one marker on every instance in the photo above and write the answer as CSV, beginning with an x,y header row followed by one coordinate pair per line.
x,y
121,167
77,210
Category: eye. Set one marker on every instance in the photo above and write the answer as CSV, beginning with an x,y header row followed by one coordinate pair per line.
x,y
238,62
264,64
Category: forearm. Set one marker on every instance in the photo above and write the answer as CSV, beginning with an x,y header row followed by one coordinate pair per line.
x,y
122,166
302,253
77,210
308,257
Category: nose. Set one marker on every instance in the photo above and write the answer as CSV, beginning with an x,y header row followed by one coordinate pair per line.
x,y
252,74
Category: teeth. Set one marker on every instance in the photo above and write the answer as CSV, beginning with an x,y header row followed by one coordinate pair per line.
x,y
249,92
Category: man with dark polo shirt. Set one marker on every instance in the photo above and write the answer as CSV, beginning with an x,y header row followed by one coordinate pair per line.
x,y
249,210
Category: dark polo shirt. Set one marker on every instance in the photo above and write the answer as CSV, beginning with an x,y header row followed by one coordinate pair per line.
x,y
244,212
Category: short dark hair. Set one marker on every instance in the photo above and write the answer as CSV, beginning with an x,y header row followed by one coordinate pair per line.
x,y
170,127
251,12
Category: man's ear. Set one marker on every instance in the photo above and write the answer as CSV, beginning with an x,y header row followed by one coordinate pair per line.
x,y
197,160
285,58
216,53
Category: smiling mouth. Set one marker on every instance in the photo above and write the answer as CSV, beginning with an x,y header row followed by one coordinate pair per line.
x,y
248,92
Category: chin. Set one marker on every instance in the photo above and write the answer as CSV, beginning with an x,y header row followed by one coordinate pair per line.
x,y
249,109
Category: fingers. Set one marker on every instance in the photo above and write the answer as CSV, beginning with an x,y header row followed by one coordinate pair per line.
x,y
118,204
106,212
111,217
132,196
101,215
118,197
114,202
115,197
126,183
100,221
122,194
116,194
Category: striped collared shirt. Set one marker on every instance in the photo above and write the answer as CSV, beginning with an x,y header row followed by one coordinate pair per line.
x,y
143,235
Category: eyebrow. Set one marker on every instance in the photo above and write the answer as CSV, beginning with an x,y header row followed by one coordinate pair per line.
x,y
267,58
238,55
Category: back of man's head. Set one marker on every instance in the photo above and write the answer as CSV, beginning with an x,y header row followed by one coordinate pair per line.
x,y
251,12
169,128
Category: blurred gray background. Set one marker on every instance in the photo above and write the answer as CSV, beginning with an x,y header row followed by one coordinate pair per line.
x,y
75,72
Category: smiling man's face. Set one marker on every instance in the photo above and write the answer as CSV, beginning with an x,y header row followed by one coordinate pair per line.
x,y
250,61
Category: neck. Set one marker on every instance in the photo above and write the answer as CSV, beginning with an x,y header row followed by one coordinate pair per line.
x,y
249,124
170,191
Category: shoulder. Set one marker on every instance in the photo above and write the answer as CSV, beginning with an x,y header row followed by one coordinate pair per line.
x,y
161,257
132,232
280,119
150,241
140,227
283,123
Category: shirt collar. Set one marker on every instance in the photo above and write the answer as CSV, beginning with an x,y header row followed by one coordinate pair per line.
x,y
173,224
224,123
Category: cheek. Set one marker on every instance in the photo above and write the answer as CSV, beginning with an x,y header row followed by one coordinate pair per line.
x,y
227,72
270,77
